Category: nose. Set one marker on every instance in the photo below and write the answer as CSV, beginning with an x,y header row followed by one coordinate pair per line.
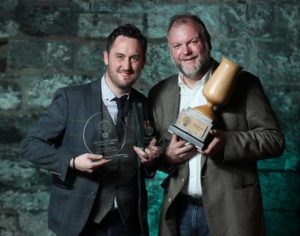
x,y
186,49
127,64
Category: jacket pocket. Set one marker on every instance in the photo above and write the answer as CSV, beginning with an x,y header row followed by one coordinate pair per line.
x,y
61,184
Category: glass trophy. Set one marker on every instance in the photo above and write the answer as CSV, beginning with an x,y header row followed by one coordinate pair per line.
x,y
100,136
194,124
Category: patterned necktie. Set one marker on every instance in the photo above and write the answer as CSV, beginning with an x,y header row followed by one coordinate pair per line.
x,y
120,127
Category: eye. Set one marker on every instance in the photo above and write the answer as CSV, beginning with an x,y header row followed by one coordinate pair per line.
x,y
176,46
119,56
195,41
135,58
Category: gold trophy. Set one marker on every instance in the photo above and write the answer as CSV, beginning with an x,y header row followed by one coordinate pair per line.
x,y
194,124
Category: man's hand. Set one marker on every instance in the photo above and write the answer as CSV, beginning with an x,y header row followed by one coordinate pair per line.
x,y
88,162
179,150
217,143
149,153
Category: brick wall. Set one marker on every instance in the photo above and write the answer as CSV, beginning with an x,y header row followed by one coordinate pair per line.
x,y
47,44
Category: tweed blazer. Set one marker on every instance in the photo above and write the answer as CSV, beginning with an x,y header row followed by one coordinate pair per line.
x,y
231,190
56,138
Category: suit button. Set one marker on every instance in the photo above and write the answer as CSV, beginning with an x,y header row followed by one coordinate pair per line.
x,y
169,199
92,193
182,179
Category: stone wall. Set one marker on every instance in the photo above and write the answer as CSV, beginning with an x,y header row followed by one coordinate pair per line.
x,y
47,44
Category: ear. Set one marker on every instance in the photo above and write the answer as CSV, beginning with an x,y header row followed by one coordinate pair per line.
x,y
105,57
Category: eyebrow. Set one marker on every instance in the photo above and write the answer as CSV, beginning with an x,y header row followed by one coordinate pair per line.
x,y
130,57
192,39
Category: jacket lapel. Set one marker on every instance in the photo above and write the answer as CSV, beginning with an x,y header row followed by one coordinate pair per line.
x,y
173,99
215,64
95,98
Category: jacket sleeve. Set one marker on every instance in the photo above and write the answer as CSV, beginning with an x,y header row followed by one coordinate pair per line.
x,y
260,136
155,104
42,144
149,133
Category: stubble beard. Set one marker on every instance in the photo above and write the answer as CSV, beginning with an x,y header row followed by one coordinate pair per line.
x,y
116,81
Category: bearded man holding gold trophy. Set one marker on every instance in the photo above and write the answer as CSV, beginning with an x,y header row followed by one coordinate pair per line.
x,y
215,123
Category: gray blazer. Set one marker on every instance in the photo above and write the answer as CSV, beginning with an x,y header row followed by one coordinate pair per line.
x,y
230,184
56,138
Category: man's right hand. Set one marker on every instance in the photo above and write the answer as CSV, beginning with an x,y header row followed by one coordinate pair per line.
x,y
88,162
179,150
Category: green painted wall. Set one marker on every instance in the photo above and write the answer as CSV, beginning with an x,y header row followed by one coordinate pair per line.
x,y
47,44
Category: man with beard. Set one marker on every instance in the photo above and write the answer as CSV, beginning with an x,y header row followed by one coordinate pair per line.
x,y
214,191
90,139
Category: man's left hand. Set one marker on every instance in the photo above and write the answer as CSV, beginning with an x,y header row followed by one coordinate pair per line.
x,y
217,143
148,154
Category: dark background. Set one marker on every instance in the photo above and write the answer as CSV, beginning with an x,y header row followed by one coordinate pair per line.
x,y
47,44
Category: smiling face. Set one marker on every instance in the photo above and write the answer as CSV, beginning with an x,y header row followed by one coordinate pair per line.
x,y
124,61
188,51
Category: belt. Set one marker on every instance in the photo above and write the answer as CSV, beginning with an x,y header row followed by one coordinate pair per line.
x,y
193,200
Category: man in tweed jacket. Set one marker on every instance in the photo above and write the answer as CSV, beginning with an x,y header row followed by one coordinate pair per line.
x,y
214,191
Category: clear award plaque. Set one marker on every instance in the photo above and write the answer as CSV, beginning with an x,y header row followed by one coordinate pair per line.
x,y
100,136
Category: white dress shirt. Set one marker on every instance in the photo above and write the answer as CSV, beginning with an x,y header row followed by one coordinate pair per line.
x,y
192,97
107,98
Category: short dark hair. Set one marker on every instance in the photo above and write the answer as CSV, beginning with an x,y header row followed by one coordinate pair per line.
x,y
184,18
129,31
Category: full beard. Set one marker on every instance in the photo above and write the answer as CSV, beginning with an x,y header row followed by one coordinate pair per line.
x,y
199,69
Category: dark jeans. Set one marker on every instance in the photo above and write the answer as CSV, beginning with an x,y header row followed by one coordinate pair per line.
x,y
111,225
192,220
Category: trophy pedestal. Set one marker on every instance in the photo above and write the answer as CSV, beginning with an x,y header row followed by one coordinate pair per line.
x,y
192,126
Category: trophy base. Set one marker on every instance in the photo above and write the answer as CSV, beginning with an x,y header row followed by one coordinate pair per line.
x,y
186,136
192,126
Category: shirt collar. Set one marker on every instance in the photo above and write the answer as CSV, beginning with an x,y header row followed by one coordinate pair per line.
x,y
107,94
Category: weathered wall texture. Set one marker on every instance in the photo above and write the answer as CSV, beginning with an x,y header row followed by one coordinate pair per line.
x,y
47,44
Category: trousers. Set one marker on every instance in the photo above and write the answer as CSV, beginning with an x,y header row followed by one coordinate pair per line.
x,y
111,225
192,219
